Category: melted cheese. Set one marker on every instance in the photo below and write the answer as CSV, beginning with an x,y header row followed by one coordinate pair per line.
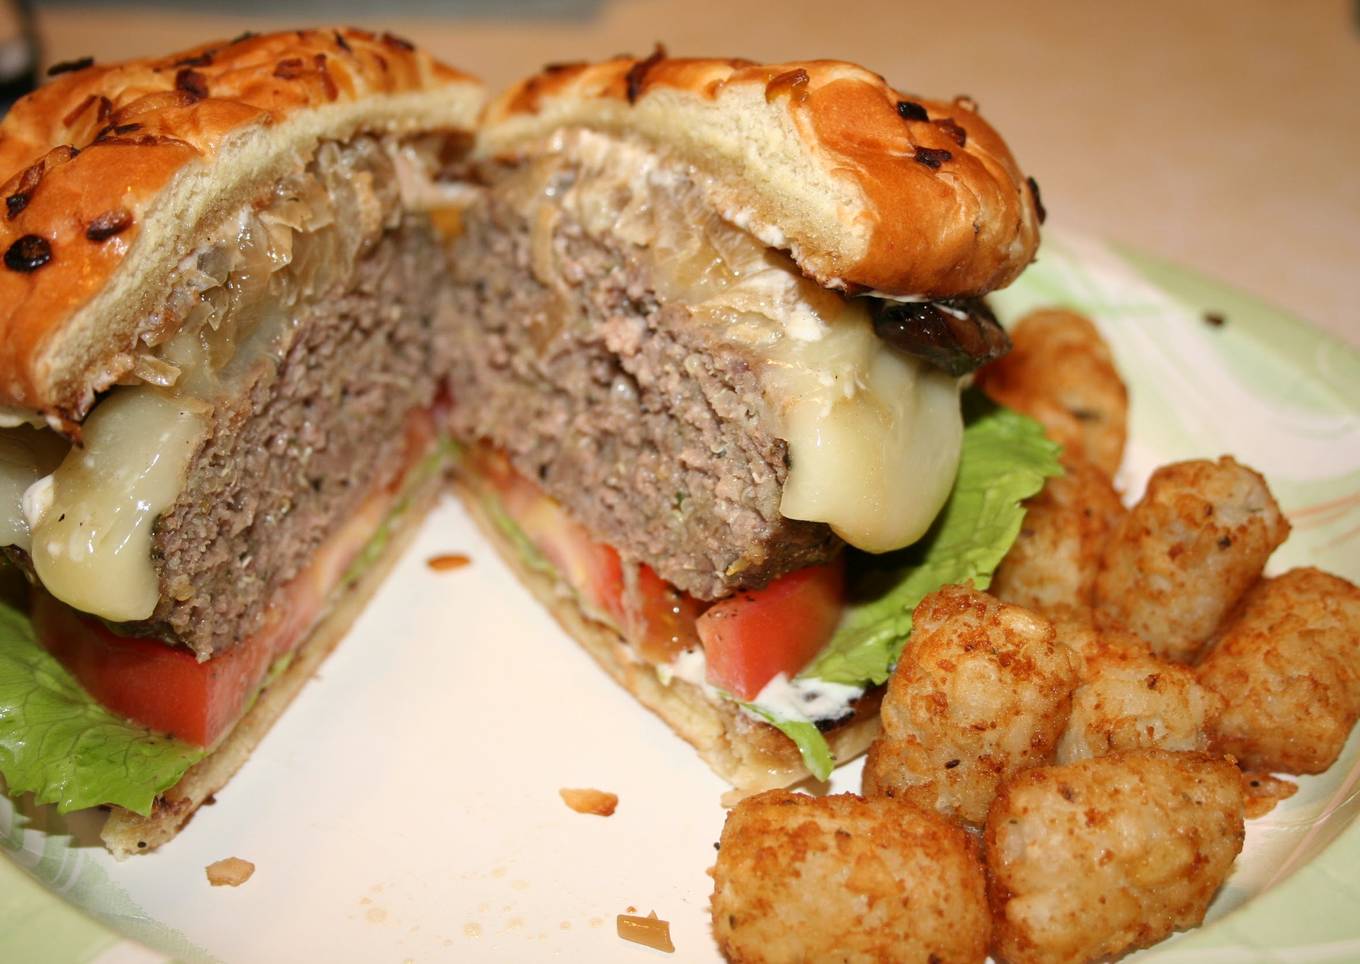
x,y
873,434
26,455
91,543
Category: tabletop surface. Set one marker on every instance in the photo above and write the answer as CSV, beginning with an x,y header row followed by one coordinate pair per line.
x,y
1222,135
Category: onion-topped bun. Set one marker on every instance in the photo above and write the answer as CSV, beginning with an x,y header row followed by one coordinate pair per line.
x,y
864,186
222,341
712,318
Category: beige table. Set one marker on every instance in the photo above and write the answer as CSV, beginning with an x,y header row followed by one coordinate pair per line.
x,y
1222,135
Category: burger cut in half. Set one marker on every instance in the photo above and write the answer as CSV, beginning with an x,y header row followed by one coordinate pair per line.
x,y
224,326
713,323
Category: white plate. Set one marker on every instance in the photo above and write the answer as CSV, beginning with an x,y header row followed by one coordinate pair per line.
x,y
406,806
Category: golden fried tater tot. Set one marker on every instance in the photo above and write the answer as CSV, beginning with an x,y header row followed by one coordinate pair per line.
x,y
1092,859
1060,372
842,878
1130,701
1054,561
1186,552
1288,662
982,690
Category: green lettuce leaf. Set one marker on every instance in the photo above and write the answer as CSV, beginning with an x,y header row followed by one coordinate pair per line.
x,y
817,756
59,744
1004,461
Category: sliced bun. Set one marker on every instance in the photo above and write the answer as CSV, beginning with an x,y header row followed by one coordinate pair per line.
x,y
866,187
126,833
111,174
748,754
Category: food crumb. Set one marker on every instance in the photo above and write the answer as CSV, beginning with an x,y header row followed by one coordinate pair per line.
x,y
598,802
448,561
649,931
1264,791
1215,319
229,872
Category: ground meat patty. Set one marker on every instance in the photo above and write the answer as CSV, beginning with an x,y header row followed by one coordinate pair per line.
x,y
301,445
649,431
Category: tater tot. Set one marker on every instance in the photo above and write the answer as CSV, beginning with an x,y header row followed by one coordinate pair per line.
x,y
982,690
842,878
1054,561
1186,552
1076,629
1092,859
1288,662
1129,701
1060,372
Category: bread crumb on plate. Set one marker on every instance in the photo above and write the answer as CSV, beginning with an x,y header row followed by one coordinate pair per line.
x,y
448,561
598,802
229,872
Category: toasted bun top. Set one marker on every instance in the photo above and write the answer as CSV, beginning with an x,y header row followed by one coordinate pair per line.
x,y
110,173
866,187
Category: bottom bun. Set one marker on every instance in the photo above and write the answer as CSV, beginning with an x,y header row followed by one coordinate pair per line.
x,y
127,833
751,755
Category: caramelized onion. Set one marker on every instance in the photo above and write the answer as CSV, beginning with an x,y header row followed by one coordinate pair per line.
x,y
955,336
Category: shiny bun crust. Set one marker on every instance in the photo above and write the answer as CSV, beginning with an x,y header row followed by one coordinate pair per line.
x,y
866,187
111,173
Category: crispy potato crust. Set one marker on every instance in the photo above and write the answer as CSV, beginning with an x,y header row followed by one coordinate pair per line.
x,y
983,691
842,878
1288,663
1093,859
1054,561
1130,700
1187,551
1060,372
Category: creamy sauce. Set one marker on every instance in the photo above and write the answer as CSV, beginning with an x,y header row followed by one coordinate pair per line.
x,y
88,522
801,700
873,434
795,700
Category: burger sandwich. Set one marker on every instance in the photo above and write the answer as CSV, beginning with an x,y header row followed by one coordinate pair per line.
x,y
224,330
692,335
713,322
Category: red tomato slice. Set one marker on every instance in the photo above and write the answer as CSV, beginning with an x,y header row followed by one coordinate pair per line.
x,y
661,618
593,569
162,687
753,636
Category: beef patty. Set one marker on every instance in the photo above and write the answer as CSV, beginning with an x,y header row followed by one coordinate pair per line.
x,y
649,429
301,442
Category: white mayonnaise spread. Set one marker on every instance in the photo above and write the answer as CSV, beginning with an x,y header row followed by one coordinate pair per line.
x,y
800,700
873,434
794,700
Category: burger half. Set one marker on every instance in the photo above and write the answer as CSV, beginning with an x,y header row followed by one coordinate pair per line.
x,y
713,321
224,327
